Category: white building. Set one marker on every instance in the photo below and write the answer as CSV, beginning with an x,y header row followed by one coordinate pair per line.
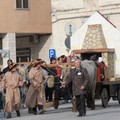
x,y
99,36
75,13
69,16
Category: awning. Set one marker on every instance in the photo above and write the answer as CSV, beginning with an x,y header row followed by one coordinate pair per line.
x,y
111,50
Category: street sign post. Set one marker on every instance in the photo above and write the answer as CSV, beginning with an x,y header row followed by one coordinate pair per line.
x,y
52,53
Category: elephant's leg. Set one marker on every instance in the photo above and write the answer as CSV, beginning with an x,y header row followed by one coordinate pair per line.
x,y
88,100
93,100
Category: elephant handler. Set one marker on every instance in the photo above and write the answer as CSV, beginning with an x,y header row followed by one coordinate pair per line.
x,y
11,83
80,79
36,94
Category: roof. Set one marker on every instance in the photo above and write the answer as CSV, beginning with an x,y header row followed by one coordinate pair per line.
x,y
112,40
106,19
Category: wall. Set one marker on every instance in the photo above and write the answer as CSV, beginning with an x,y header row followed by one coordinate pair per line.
x,y
38,50
58,5
37,19
77,12
59,35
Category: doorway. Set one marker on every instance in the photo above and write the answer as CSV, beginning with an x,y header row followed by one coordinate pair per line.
x,y
88,55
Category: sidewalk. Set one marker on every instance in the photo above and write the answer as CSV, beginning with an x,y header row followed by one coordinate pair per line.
x,y
50,104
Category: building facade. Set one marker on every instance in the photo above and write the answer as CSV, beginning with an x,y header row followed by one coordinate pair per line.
x,y
68,20
69,15
25,30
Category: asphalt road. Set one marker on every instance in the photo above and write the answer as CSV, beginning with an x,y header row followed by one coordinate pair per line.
x,y
112,112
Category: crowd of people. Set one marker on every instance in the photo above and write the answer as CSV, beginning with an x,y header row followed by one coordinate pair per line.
x,y
42,83
38,92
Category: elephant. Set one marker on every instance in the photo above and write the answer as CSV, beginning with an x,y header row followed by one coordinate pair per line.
x,y
92,71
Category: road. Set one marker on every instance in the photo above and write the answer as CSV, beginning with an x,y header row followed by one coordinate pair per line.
x,y
112,112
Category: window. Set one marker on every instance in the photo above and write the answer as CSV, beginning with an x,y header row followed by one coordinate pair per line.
x,y
23,54
22,4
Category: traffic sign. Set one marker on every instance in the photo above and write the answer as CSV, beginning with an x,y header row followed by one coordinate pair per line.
x,y
52,53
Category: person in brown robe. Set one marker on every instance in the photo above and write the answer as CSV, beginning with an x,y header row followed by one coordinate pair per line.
x,y
36,94
11,83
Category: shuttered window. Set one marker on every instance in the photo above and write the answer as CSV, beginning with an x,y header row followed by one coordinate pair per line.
x,y
25,3
23,54
22,4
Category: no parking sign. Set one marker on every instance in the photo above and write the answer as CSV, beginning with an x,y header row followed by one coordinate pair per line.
x,y
52,53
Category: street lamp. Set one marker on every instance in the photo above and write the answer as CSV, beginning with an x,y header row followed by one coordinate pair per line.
x,y
69,28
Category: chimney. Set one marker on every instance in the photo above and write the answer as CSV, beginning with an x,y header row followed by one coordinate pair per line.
x,y
94,38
